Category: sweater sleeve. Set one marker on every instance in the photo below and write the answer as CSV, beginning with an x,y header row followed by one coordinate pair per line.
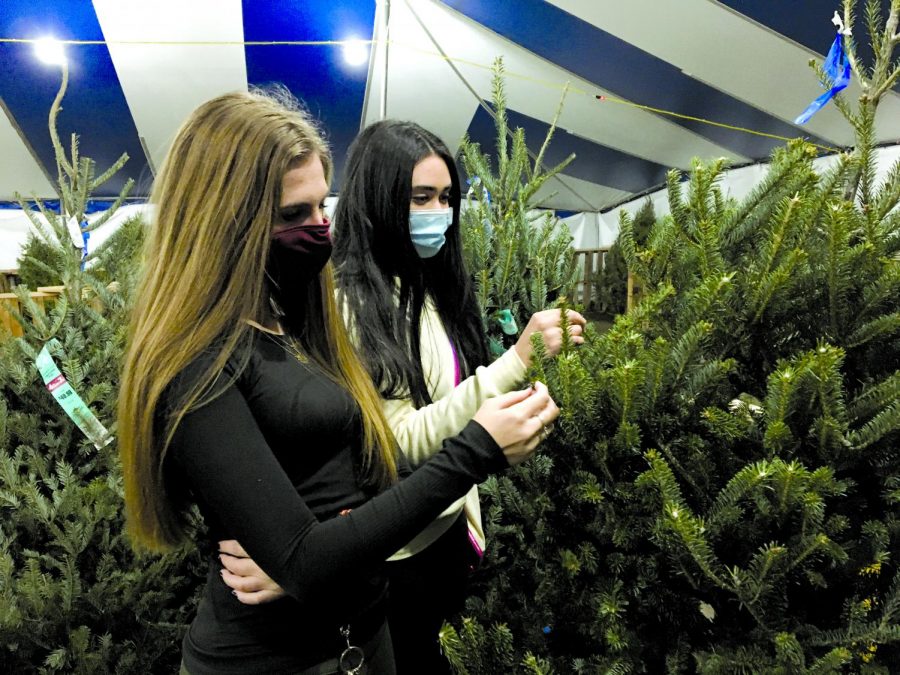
x,y
420,432
226,461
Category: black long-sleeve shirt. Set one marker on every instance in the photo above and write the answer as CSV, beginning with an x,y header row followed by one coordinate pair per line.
x,y
271,462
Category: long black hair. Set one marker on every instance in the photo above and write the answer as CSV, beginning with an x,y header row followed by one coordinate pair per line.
x,y
382,281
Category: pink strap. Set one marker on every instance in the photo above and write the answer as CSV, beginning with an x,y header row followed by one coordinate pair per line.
x,y
472,540
457,376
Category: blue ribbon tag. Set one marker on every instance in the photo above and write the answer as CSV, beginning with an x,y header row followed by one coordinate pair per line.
x,y
836,67
473,183
507,322
85,235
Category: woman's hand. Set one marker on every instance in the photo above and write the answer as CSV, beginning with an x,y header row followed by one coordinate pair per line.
x,y
519,421
247,581
547,324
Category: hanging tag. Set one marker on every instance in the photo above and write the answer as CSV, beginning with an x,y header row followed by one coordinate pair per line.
x,y
69,400
836,67
74,228
84,251
507,322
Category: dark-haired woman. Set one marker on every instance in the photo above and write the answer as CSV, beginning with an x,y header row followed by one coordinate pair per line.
x,y
242,393
411,310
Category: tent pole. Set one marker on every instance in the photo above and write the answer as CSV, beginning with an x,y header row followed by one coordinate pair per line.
x,y
387,41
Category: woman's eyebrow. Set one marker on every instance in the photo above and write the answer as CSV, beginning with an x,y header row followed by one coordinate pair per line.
x,y
295,206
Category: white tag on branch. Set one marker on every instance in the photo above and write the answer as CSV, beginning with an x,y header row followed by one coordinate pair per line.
x,y
746,405
839,22
74,228
707,610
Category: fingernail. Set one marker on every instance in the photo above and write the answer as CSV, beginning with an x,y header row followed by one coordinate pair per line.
x,y
234,593
222,572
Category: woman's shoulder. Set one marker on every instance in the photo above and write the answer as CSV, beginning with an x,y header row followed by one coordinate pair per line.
x,y
208,368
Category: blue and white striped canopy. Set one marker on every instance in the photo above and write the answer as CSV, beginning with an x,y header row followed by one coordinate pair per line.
x,y
144,66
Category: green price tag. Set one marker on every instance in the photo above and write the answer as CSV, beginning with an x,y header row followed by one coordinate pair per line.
x,y
70,401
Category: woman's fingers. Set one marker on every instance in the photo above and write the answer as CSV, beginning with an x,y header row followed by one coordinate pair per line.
x,y
257,597
534,404
511,398
244,567
248,583
244,584
575,318
232,548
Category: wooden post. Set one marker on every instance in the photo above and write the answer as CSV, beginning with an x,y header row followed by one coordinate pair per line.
x,y
8,280
586,279
7,322
10,301
635,291
628,294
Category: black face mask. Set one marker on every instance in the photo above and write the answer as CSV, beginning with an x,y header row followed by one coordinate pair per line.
x,y
296,257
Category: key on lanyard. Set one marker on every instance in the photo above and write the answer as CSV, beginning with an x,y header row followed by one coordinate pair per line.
x,y
352,658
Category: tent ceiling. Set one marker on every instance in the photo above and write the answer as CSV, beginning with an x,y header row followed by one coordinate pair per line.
x,y
736,63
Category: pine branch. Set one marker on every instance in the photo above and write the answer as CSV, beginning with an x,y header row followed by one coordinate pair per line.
x,y
498,95
883,326
888,195
35,221
109,173
875,398
685,349
559,108
786,166
64,168
881,425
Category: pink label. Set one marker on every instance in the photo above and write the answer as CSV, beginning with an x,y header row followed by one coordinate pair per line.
x,y
56,382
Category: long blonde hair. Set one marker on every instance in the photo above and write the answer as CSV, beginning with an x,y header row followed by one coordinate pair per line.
x,y
216,199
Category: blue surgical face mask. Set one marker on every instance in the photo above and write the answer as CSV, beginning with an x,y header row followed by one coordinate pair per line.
x,y
427,228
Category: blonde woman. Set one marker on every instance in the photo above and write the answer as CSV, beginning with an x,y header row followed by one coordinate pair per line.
x,y
240,392
410,305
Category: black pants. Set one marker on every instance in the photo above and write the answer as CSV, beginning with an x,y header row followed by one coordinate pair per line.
x,y
424,591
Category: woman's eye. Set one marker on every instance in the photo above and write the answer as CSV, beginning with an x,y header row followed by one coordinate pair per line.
x,y
420,199
295,215
445,199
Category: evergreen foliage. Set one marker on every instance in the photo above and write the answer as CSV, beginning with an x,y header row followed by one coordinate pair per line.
x,y
721,494
520,261
611,282
74,598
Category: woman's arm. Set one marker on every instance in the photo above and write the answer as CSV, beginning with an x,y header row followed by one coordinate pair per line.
x,y
224,458
421,431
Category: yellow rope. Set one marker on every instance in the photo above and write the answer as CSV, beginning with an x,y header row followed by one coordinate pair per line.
x,y
330,43
660,111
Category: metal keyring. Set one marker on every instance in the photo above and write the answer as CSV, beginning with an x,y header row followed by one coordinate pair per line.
x,y
351,660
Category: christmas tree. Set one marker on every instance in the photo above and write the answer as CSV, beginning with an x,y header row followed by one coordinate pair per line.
x,y
723,489
612,281
74,598
521,259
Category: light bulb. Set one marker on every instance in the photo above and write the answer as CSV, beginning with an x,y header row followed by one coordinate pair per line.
x,y
356,52
50,51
